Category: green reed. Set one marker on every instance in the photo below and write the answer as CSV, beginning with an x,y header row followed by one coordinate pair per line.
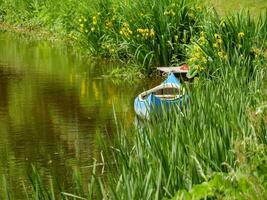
x,y
178,151
146,33
233,40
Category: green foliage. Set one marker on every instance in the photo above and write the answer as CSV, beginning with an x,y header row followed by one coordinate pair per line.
x,y
232,40
147,33
181,150
248,181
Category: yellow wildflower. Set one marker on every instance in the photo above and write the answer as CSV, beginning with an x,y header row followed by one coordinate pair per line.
x,y
172,12
256,51
80,20
109,24
196,48
215,45
93,29
241,34
125,30
152,32
221,54
166,13
81,25
94,20
204,60
219,41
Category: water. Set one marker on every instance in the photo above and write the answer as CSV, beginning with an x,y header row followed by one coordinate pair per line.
x,y
52,104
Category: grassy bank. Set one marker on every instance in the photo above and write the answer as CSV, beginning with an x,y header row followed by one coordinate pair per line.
x,y
216,149
145,34
141,34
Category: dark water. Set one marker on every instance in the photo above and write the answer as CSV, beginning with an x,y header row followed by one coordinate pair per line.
x,y
52,106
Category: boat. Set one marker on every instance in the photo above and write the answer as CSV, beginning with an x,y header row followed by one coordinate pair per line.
x,y
168,94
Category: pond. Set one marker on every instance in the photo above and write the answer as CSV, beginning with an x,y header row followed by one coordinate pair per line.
x,y
52,106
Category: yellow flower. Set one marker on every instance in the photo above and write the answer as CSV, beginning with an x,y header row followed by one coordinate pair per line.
x,y
204,60
80,20
215,45
81,25
94,20
172,12
219,41
241,34
196,48
152,32
176,37
221,54
139,30
93,29
166,13
256,51
109,24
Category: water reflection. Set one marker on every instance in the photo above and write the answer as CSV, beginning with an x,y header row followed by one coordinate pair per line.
x,y
51,105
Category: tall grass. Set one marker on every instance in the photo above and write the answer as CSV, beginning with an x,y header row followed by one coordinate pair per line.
x,y
234,40
180,151
147,33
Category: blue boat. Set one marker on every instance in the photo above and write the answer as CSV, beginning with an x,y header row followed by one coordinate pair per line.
x,y
168,94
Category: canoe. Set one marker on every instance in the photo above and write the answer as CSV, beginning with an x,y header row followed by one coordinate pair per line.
x,y
168,94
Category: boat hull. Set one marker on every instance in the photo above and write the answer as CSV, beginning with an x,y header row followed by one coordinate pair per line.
x,y
154,100
153,104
